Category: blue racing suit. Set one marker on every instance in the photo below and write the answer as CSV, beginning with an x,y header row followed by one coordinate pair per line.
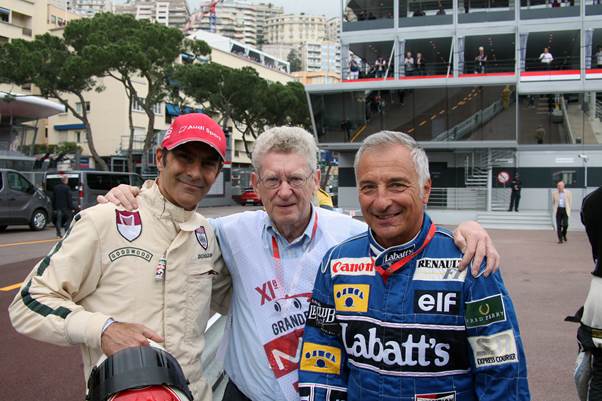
x,y
425,332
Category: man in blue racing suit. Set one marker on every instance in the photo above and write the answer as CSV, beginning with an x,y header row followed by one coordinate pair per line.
x,y
391,316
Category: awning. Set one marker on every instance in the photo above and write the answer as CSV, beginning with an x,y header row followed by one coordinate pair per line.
x,y
26,108
68,127
173,110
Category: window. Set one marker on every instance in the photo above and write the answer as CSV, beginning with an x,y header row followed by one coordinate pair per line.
x,y
78,136
137,105
78,107
4,14
17,182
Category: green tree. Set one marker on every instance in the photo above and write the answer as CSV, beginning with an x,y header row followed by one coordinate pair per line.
x,y
294,60
131,49
58,71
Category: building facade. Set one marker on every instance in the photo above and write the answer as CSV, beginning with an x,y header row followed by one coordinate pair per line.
x,y
86,8
294,30
239,20
502,87
172,13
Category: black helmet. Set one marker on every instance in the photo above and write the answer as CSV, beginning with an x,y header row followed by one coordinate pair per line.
x,y
138,369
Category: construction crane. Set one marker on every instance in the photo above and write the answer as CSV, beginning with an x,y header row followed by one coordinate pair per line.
x,y
213,15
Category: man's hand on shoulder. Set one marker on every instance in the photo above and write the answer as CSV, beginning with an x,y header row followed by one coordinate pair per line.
x,y
122,195
125,335
474,241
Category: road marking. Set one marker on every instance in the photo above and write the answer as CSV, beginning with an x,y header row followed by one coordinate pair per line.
x,y
11,287
42,241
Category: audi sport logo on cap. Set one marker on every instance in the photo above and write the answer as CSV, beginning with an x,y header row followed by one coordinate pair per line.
x,y
195,127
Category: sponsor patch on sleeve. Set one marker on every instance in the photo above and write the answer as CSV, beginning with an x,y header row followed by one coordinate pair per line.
x,y
351,297
448,396
323,317
352,267
496,349
439,269
320,358
485,311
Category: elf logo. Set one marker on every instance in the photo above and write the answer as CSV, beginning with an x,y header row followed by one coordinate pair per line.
x,y
436,302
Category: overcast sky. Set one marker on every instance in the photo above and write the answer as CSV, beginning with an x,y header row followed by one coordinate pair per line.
x,y
329,8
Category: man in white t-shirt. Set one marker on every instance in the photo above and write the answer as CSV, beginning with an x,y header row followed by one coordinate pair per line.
x,y
546,58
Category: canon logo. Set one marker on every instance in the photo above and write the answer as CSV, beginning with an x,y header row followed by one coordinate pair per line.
x,y
352,267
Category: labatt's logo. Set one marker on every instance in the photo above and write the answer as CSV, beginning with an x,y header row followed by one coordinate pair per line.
x,y
352,267
411,352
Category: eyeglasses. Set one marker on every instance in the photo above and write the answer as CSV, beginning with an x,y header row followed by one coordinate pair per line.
x,y
295,181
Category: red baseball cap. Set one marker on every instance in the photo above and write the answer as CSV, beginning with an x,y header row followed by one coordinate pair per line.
x,y
195,127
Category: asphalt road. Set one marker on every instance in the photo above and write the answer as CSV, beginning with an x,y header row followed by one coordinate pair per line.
x,y
547,281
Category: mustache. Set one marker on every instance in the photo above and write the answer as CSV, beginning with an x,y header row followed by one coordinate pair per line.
x,y
187,180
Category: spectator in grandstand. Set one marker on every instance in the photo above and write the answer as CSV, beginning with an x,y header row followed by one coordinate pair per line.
x,y
380,66
479,61
420,64
598,56
419,13
354,69
546,58
409,64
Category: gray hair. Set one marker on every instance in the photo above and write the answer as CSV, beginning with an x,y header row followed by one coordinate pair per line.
x,y
383,138
286,140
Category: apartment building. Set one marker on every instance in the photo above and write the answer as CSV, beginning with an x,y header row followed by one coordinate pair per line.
x,y
504,88
86,8
172,13
239,20
295,30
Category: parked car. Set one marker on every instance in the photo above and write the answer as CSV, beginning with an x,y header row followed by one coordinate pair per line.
x,y
250,197
21,202
87,184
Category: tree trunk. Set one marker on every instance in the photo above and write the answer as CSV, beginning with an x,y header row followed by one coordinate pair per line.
x,y
131,166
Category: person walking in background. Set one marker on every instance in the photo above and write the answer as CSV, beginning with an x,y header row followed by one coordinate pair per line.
x,y
515,186
62,204
588,372
561,202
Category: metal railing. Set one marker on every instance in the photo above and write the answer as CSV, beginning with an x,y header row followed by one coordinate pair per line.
x,y
124,144
458,198
559,63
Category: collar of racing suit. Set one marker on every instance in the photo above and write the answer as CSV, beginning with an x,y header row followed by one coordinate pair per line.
x,y
385,257
187,220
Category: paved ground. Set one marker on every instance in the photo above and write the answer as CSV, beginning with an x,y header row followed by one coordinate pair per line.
x,y
548,281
